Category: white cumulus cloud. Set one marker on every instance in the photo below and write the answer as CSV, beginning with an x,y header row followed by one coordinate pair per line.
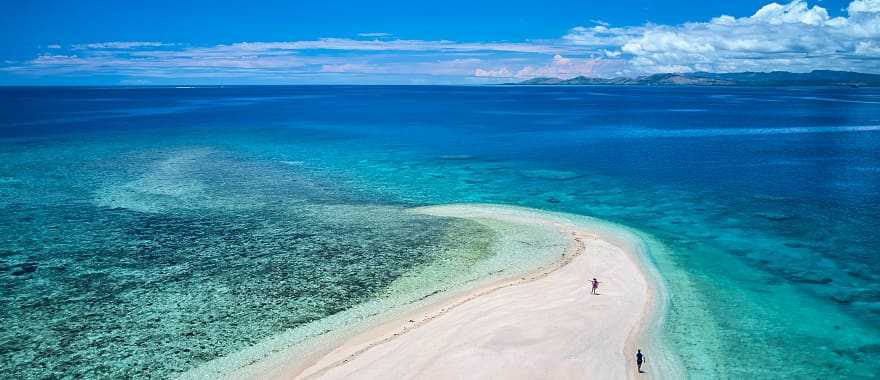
x,y
793,36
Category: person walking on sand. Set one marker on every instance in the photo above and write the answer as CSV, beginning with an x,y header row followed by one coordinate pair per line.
x,y
595,286
640,358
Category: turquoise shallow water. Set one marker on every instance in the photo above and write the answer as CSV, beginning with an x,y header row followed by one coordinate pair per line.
x,y
147,231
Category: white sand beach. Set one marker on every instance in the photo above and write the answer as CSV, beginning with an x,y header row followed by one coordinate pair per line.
x,y
542,325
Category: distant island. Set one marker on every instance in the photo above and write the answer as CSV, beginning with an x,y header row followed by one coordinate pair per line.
x,y
774,78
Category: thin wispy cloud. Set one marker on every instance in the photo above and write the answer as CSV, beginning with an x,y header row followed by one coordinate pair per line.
x,y
374,34
394,45
120,45
796,36
287,58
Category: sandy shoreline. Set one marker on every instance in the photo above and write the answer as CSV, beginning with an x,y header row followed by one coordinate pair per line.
x,y
545,324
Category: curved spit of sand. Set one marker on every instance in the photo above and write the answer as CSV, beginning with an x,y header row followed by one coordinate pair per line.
x,y
545,324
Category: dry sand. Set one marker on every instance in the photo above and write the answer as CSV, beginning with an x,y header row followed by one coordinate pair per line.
x,y
545,325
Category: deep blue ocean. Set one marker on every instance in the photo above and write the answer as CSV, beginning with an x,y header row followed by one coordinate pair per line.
x,y
147,231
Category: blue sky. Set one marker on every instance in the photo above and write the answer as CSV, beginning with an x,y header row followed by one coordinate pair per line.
x,y
243,42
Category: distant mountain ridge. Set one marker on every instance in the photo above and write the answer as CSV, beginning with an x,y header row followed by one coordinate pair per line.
x,y
774,78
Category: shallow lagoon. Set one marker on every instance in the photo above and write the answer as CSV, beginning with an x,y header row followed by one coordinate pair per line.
x,y
148,230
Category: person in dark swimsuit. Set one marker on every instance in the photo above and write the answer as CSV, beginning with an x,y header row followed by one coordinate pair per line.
x,y
640,358
595,286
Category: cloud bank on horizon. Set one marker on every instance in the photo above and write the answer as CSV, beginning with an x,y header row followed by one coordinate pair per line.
x,y
793,37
